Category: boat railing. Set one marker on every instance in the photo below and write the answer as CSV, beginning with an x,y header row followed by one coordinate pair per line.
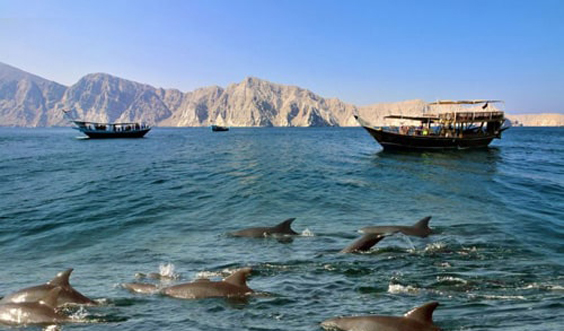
x,y
466,117
111,127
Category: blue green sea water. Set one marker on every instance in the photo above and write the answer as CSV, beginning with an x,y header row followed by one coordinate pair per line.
x,y
111,209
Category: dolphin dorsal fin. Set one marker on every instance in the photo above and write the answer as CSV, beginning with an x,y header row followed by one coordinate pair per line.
x,y
423,223
286,226
50,299
239,277
62,278
424,313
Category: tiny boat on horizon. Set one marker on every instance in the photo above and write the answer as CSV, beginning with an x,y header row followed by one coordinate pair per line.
x,y
442,130
219,128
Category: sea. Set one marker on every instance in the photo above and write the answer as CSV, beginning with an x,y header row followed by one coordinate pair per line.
x,y
118,210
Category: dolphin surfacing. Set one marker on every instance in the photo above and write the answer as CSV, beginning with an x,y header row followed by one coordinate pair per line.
x,y
233,286
419,229
283,228
363,244
418,319
67,295
42,312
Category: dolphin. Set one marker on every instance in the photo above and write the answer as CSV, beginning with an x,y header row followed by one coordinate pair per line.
x,y
283,228
42,312
419,229
418,319
233,286
67,295
363,244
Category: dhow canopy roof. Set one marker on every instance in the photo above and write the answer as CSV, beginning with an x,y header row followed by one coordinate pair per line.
x,y
463,102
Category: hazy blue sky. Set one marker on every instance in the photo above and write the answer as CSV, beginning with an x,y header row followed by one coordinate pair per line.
x,y
362,52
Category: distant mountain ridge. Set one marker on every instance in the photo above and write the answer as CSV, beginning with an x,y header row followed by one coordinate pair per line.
x,y
31,101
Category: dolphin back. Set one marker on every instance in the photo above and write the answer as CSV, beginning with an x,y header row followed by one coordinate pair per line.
x,y
26,313
382,230
284,227
261,232
141,288
239,277
67,295
232,286
422,227
364,243
423,314
62,278
418,319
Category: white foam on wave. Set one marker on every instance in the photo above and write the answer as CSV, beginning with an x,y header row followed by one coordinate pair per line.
x,y
215,274
276,266
397,288
209,274
451,279
167,271
307,233
498,297
435,247
468,250
329,267
546,287
104,301
79,315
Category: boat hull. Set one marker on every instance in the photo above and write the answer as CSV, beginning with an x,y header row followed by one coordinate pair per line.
x,y
98,134
219,128
396,141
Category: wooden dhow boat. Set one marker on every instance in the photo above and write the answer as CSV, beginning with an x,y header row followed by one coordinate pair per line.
x,y
443,130
99,130
112,130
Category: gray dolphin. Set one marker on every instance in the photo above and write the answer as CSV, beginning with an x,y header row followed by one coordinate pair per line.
x,y
419,229
363,244
418,319
283,228
232,286
67,295
42,312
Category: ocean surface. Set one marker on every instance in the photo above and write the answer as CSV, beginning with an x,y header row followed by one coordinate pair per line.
x,y
112,209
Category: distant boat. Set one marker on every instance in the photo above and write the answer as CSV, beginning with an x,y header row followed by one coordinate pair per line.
x,y
111,130
218,128
442,131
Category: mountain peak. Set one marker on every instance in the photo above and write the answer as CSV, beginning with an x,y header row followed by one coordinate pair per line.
x,y
9,73
254,81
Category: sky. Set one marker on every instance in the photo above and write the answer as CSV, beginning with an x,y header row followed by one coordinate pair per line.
x,y
362,52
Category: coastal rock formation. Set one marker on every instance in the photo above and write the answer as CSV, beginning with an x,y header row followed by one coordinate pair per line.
x,y
537,119
26,99
31,101
105,98
256,102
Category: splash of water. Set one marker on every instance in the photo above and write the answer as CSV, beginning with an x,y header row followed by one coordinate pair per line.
x,y
307,233
167,271
397,288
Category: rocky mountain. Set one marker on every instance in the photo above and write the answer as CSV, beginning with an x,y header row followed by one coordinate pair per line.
x,y
537,119
105,98
28,100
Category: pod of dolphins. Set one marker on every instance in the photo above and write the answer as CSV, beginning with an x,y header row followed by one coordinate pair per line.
x,y
38,305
